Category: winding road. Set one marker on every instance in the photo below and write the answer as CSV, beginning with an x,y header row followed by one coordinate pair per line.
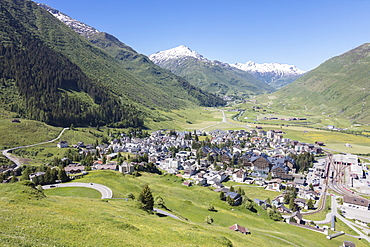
x,y
106,193
15,159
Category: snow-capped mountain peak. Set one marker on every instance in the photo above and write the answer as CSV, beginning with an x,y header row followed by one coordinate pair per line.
x,y
283,70
77,26
175,53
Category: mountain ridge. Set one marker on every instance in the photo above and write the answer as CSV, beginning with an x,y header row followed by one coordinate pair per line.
x,y
338,87
213,76
111,90
274,74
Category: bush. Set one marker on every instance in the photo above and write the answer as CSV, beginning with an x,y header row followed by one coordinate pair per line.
x,y
28,183
130,196
209,220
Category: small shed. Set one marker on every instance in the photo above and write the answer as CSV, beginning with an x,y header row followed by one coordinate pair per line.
x,y
238,228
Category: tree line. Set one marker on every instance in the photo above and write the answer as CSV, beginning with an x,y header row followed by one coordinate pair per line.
x,y
52,88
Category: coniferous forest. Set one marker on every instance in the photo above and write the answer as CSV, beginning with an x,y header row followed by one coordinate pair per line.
x,y
51,74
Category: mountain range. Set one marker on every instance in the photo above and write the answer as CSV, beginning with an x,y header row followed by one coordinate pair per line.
x,y
276,75
61,71
225,78
51,73
211,76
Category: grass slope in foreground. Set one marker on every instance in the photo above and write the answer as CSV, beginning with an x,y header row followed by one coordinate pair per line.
x,y
30,220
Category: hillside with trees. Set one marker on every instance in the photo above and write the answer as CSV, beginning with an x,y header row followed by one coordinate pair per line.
x,y
50,73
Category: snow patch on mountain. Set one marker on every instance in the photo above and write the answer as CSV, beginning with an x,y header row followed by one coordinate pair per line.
x,y
79,27
175,53
278,69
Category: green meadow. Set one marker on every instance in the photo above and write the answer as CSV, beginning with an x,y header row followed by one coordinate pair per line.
x,y
63,218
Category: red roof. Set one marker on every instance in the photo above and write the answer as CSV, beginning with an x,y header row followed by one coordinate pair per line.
x,y
238,228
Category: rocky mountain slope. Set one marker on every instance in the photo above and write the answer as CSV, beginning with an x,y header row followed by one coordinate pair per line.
x,y
212,76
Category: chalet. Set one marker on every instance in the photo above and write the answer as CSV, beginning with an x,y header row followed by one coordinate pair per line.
x,y
235,196
356,202
301,203
226,157
37,176
348,244
261,165
62,144
262,203
296,217
280,171
239,176
245,161
274,184
238,228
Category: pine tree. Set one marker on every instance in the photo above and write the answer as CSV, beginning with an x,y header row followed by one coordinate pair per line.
x,y
232,189
310,204
146,198
62,175
222,195
26,172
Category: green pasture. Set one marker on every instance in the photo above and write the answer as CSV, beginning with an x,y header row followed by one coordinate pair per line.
x,y
73,192
24,133
63,220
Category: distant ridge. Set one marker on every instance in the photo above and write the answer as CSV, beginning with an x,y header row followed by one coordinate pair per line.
x,y
338,87
275,74
212,76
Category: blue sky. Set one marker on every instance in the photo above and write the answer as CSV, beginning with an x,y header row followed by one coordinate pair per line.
x,y
300,32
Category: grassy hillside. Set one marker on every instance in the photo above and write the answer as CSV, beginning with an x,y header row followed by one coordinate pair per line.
x,y
69,221
86,80
216,77
338,87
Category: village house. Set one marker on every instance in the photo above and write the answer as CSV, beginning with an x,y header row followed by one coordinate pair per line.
x,y
296,217
274,184
237,198
74,168
239,176
37,176
126,168
356,202
261,166
62,144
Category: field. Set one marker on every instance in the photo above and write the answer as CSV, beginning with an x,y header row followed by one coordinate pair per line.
x,y
42,154
74,192
62,220
25,132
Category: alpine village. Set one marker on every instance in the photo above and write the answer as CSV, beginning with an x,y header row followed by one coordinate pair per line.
x,y
103,146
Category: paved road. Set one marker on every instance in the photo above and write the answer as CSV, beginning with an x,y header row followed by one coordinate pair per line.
x,y
16,161
166,213
224,120
106,193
